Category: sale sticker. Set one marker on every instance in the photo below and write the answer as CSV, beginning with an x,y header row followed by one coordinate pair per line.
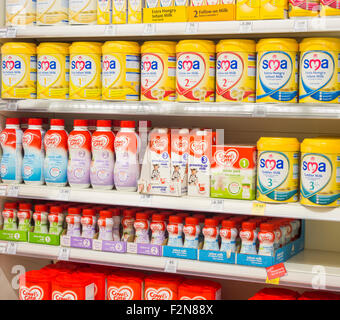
x,y
276,271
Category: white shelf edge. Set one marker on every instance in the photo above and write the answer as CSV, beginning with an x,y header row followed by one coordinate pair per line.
x,y
113,197
300,269
216,28
212,109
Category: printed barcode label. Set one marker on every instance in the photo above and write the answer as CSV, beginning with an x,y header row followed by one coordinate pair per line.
x,y
246,26
11,248
217,204
110,30
171,266
146,199
64,194
192,27
64,254
11,32
150,28
300,25
13,191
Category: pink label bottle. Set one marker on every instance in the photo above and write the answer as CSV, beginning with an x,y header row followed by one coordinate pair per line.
x,y
266,238
142,226
158,228
228,235
191,232
248,237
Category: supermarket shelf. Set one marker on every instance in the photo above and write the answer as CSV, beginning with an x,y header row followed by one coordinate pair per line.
x,y
112,197
211,29
308,269
213,109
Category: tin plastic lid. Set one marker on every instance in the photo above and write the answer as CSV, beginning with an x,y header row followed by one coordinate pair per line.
x,y
80,123
284,44
205,46
320,145
120,47
278,144
238,45
332,44
19,48
166,47
86,48
53,48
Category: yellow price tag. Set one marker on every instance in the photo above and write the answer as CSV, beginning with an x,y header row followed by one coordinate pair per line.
x,y
273,281
258,208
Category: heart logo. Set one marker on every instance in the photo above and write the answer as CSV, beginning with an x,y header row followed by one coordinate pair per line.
x,y
225,233
52,140
87,220
193,298
66,295
140,225
121,293
159,144
312,166
274,64
315,64
189,230
146,65
199,147
80,65
10,65
187,65
226,158
32,293
99,142
121,142
157,226
76,141
106,65
158,294
266,236
45,65
181,144
246,235
225,65
27,138
3,137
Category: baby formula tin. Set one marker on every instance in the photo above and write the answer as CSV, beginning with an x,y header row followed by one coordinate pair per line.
x,y
319,70
85,73
195,70
320,167
120,70
235,70
20,12
158,71
19,70
83,11
53,70
277,70
52,12
278,169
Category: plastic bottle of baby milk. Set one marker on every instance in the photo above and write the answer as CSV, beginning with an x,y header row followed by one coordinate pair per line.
x,y
211,233
175,231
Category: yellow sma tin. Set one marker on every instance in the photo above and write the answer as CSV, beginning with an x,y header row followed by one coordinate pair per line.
x,y
85,70
235,70
277,70
20,12
19,70
53,70
158,72
278,169
319,70
195,70
120,70
320,167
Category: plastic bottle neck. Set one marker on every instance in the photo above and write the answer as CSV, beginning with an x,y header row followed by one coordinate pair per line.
x,y
12,126
127,130
57,128
106,129
33,126
80,128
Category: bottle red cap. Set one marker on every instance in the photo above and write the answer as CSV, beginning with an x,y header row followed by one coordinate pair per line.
x,y
158,217
142,216
191,220
267,226
175,219
12,121
116,123
56,209
35,121
73,210
57,122
129,213
40,208
105,214
115,212
104,123
80,123
92,122
89,212
228,223
211,222
25,206
10,205
127,124
248,225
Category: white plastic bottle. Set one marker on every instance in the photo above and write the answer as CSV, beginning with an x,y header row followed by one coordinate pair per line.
x,y
9,215
248,237
24,216
79,148
56,219
89,223
142,227
127,148
40,217
266,238
228,234
55,164
105,223
101,173
210,233
191,232
128,221
73,222
175,231
34,153
11,144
